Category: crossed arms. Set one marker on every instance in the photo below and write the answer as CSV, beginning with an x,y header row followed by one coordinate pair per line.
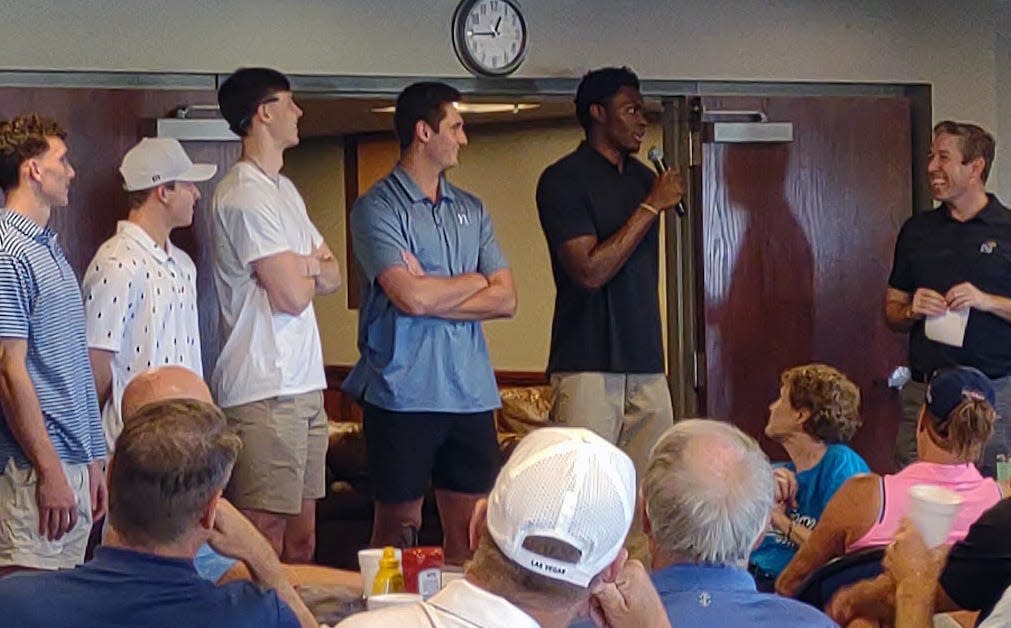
x,y
292,280
470,296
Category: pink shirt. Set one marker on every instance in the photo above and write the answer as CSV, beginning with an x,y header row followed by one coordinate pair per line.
x,y
978,495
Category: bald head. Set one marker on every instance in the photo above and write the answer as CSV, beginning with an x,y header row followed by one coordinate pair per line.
x,y
160,384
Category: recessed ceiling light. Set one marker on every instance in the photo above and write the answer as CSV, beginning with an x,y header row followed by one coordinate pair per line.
x,y
477,107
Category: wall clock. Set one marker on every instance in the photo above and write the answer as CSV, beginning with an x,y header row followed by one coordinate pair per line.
x,y
490,36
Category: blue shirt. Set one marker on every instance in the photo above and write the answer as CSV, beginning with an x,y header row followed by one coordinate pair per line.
x,y
704,595
40,302
421,363
815,487
125,588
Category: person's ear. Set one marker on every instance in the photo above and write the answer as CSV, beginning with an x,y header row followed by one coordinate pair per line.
x,y
162,192
422,131
803,415
977,166
598,113
610,573
32,170
478,520
207,516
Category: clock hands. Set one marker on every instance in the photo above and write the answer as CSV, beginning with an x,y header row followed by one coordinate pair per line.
x,y
492,33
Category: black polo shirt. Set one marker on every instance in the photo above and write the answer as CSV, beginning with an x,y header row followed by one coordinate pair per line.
x,y
936,251
617,327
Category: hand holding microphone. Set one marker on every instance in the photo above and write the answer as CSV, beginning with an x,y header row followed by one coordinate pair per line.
x,y
668,189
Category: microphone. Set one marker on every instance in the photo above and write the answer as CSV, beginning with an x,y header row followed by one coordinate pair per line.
x,y
656,156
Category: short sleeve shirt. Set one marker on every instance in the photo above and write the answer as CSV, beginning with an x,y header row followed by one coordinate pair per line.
x,y
936,251
717,595
40,302
421,363
978,570
617,327
815,487
266,354
140,302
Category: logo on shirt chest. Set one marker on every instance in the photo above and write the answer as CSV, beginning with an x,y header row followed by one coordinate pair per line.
x,y
988,247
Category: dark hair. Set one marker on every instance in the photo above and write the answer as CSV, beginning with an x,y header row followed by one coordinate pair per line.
x,y
965,430
244,91
599,86
421,101
136,198
972,140
170,459
831,398
23,138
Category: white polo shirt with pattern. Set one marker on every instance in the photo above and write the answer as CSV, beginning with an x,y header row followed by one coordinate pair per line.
x,y
140,303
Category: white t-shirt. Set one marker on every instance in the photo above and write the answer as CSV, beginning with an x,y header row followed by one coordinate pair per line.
x,y
459,605
266,354
140,303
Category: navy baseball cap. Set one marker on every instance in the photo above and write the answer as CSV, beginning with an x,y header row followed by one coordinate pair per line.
x,y
950,386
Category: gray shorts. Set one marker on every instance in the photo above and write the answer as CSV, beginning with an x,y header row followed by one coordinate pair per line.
x,y
20,542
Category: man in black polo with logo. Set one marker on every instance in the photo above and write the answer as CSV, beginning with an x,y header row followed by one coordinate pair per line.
x,y
955,258
600,208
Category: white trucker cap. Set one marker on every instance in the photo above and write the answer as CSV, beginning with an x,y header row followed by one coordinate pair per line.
x,y
157,160
567,484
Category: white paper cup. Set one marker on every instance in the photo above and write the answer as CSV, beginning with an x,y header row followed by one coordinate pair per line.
x,y
391,599
932,509
368,564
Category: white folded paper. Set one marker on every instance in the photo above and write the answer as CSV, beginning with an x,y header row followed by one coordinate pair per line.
x,y
948,328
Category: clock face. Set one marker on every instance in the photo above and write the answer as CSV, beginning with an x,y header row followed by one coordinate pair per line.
x,y
490,36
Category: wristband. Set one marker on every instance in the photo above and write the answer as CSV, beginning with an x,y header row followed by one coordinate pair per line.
x,y
650,208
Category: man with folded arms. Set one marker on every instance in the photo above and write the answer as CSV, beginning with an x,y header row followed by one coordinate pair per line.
x,y
270,262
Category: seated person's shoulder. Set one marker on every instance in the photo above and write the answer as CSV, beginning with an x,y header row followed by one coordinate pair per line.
x,y
248,605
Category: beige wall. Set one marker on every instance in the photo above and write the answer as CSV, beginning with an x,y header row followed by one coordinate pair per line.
x,y
502,168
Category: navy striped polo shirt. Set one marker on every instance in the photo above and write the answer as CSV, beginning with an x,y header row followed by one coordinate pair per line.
x,y
40,302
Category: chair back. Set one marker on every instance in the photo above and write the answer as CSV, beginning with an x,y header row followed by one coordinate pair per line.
x,y
818,589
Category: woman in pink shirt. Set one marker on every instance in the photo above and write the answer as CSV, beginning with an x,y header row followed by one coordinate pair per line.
x,y
955,422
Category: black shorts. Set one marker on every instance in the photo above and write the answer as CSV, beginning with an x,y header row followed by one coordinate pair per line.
x,y
456,451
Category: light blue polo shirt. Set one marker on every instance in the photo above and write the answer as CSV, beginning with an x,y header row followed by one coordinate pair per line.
x,y
421,363
40,302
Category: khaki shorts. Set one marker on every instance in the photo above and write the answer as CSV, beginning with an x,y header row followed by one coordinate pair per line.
x,y
20,542
284,441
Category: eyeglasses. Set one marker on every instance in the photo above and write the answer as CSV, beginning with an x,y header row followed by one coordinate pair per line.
x,y
266,101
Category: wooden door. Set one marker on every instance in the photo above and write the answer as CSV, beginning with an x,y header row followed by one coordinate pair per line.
x,y
797,242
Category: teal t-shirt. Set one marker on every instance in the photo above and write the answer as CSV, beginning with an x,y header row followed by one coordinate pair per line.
x,y
815,487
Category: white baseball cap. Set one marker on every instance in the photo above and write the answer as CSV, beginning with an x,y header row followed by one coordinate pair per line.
x,y
157,160
566,484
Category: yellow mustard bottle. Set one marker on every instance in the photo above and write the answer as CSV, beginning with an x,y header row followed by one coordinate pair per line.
x,y
389,578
